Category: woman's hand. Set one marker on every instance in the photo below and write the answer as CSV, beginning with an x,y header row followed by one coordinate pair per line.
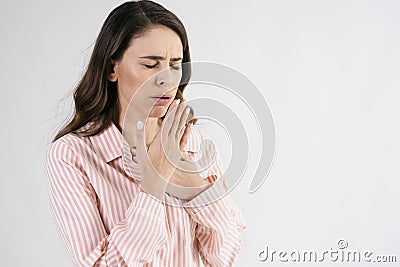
x,y
158,163
186,182
177,188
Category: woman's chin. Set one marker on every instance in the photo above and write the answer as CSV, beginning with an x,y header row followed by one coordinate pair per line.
x,y
158,111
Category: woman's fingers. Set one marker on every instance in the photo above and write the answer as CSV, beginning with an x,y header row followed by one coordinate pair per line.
x,y
140,147
169,117
185,137
176,119
168,120
182,123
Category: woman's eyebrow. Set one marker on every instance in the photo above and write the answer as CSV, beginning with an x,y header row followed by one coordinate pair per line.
x,y
161,58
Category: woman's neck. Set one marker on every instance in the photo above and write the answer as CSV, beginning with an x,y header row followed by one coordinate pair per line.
x,y
152,126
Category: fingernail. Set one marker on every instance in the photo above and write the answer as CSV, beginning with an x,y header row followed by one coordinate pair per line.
x,y
178,101
187,110
139,125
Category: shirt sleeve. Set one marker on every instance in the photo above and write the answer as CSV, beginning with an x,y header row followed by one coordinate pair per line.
x,y
219,221
73,202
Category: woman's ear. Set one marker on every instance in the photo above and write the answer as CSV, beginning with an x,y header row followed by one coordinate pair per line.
x,y
113,77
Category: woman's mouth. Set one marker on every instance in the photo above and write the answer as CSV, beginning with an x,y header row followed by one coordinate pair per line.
x,y
161,100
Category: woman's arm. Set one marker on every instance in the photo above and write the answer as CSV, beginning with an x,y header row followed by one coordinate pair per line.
x,y
219,223
73,202
219,227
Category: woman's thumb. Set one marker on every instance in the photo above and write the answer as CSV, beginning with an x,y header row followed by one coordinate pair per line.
x,y
140,146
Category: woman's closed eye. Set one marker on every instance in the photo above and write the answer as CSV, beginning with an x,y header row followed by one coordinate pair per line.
x,y
174,66
150,66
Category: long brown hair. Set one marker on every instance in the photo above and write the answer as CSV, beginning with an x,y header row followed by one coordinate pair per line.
x,y
95,97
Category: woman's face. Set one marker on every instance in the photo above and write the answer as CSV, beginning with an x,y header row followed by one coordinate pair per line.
x,y
150,67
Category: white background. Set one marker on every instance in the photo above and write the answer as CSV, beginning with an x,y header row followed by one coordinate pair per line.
x,y
328,69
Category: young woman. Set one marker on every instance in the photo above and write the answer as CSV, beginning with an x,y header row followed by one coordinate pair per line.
x,y
113,177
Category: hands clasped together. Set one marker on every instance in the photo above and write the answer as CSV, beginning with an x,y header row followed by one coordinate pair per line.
x,y
161,165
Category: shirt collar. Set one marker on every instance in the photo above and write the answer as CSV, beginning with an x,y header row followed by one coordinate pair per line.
x,y
108,143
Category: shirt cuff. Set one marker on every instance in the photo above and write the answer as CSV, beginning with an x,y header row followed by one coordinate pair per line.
x,y
211,196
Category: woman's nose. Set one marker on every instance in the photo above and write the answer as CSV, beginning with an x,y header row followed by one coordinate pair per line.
x,y
166,78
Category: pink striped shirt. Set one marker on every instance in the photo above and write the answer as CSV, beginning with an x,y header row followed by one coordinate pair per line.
x,y
104,219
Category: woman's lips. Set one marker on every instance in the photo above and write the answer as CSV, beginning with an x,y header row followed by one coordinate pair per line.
x,y
161,101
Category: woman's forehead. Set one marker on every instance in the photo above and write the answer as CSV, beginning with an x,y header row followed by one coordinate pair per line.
x,y
158,41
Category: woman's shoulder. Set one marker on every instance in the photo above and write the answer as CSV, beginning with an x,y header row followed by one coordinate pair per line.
x,y
65,160
68,143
